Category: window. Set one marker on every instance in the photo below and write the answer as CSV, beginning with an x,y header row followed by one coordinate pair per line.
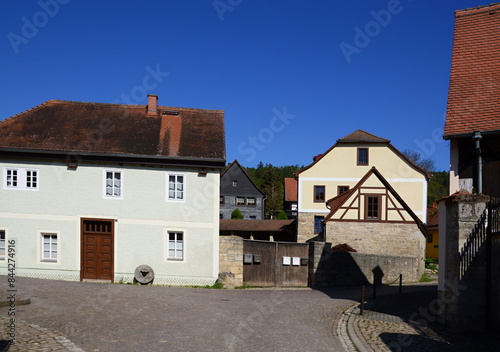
x,y
175,246
31,178
2,245
240,200
251,201
342,189
362,156
21,179
318,224
373,207
113,184
429,238
221,200
221,216
235,183
11,178
176,187
49,247
252,217
319,193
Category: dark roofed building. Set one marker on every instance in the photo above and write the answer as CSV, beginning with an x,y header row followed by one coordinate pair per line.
x,y
158,133
237,190
473,112
93,191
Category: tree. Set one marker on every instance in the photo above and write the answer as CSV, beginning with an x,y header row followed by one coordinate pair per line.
x,y
438,187
236,214
282,215
417,158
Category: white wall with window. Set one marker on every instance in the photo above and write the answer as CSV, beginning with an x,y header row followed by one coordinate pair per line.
x,y
175,245
49,247
113,184
176,187
16,178
142,217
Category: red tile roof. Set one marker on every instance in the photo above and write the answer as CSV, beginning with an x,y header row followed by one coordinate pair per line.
x,y
122,130
360,136
474,92
290,189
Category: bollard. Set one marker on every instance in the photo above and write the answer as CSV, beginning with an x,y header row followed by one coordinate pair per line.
x,y
400,283
362,307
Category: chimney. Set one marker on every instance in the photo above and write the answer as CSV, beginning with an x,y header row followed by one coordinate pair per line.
x,y
152,105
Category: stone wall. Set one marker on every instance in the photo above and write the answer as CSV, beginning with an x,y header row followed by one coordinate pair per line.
x,y
462,300
305,227
381,238
334,268
231,261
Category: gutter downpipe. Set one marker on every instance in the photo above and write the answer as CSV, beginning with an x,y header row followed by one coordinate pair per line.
x,y
477,138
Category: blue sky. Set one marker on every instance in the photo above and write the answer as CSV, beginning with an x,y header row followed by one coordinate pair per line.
x,y
292,76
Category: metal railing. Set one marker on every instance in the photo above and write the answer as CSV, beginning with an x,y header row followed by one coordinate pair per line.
x,y
474,243
488,223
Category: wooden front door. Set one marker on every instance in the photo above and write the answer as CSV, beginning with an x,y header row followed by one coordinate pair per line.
x,y
97,249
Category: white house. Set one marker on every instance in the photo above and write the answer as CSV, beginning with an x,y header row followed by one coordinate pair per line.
x,y
92,191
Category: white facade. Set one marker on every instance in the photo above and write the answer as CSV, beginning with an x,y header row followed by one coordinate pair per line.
x,y
50,209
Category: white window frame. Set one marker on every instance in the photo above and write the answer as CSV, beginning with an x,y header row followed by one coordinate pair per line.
x,y
57,250
176,241
184,188
249,203
31,180
22,178
3,244
105,174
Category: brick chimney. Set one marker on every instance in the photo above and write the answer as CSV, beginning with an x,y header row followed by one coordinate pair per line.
x,y
152,105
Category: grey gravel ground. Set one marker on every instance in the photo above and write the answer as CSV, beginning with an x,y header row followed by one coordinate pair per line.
x,y
113,317
91,317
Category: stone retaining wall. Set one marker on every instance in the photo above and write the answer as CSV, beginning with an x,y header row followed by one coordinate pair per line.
x,y
335,268
231,261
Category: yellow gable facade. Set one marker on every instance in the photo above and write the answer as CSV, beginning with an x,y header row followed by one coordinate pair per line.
x,y
341,168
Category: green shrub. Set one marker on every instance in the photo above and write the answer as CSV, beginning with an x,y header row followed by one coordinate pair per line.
x,y
282,216
236,214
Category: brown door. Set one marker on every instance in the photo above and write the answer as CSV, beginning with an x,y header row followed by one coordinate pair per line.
x,y
97,249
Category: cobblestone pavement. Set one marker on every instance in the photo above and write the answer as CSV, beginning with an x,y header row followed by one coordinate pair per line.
x,y
407,323
94,317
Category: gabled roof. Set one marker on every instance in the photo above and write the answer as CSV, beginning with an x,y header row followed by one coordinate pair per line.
x,y
234,164
116,129
363,137
474,91
290,189
335,203
360,136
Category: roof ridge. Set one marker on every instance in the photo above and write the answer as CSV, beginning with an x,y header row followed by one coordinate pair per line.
x,y
488,7
345,138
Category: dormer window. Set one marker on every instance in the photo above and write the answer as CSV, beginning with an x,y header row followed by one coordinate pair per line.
x,y
363,156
